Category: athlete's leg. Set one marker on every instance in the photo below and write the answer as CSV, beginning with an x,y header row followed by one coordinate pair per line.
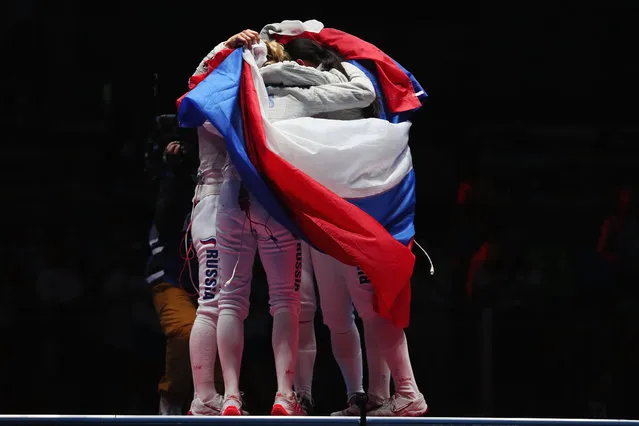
x,y
307,347
237,247
284,301
379,375
203,342
281,255
338,315
391,340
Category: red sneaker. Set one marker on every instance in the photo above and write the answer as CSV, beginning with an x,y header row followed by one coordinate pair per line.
x,y
232,406
287,405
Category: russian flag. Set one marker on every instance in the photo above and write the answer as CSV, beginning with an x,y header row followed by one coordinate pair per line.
x,y
346,187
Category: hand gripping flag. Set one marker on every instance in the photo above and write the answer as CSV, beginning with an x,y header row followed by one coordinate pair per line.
x,y
346,187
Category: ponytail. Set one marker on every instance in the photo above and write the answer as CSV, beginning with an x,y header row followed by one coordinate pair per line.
x,y
275,52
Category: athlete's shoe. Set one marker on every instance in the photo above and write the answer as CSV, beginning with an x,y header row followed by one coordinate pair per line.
x,y
401,406
287,405
232,406
353,409
306,402
209,408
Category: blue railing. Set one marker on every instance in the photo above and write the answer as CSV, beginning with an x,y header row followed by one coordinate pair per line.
x,y
58,420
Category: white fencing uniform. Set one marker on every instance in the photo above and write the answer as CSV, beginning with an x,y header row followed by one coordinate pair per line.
x,y
242,232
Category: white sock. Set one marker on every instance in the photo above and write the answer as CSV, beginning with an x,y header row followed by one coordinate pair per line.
x,y
379,374
306,351
230,342
285,340
203,351
393,345
347,350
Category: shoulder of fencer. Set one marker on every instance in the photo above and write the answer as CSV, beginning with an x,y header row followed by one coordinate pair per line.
x,y
351,68
353,71
358,77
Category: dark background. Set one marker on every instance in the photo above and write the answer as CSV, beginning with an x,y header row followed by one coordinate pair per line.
x,y
532,106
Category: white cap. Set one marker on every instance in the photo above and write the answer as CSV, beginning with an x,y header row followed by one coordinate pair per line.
x,y
289,27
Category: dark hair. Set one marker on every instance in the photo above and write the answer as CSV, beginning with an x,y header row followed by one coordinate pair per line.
x,y
315,53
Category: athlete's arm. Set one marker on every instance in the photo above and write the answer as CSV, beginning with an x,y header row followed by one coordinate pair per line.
x,y
292,74
293,102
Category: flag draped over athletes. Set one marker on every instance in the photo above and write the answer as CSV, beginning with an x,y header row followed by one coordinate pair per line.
x,y
353,199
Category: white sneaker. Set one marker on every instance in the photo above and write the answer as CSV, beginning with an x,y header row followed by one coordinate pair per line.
x,y
350,410
209,408
232,406
401,406
286,405
353,409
